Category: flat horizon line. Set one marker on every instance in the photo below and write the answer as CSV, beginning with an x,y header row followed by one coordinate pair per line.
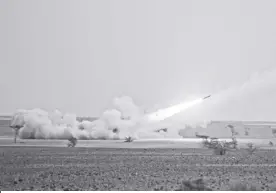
x,y
212,121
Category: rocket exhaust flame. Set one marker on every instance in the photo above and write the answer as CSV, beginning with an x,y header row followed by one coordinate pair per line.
x,y
163,114
40,124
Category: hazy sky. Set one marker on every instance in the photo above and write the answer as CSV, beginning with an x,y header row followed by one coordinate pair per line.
x,y
77,55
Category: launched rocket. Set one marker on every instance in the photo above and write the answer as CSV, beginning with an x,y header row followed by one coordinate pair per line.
x,y
207,97
165,113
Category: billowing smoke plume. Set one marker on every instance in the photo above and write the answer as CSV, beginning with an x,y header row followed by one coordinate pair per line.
x,y
125,119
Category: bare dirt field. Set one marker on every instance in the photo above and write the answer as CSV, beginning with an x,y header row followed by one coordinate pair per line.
x,y
82,168
163,164
165,143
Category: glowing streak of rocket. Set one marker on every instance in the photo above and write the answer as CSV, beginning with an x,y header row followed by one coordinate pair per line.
x,y
163,114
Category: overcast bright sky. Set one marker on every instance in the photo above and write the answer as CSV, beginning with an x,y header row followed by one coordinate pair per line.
x,y
78,55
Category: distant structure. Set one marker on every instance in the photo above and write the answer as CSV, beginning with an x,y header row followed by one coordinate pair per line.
x,y
244,129
201,136
263,129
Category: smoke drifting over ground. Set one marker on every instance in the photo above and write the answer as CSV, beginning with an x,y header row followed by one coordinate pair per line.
x,y
127,119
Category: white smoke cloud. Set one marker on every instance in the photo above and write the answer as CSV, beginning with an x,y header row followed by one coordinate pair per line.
x,y
128,119
115,123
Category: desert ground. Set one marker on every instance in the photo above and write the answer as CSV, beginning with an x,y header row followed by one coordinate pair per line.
x,y
160,164
140,165
82,168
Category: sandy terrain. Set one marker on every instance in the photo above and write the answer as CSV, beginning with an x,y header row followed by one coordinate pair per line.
x,y
152,164
142,143
79,168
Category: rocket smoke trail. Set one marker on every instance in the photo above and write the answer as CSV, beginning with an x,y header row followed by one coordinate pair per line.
x,y
126,118
163,114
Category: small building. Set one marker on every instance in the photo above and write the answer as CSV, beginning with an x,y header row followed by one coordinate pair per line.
x,y
245,129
